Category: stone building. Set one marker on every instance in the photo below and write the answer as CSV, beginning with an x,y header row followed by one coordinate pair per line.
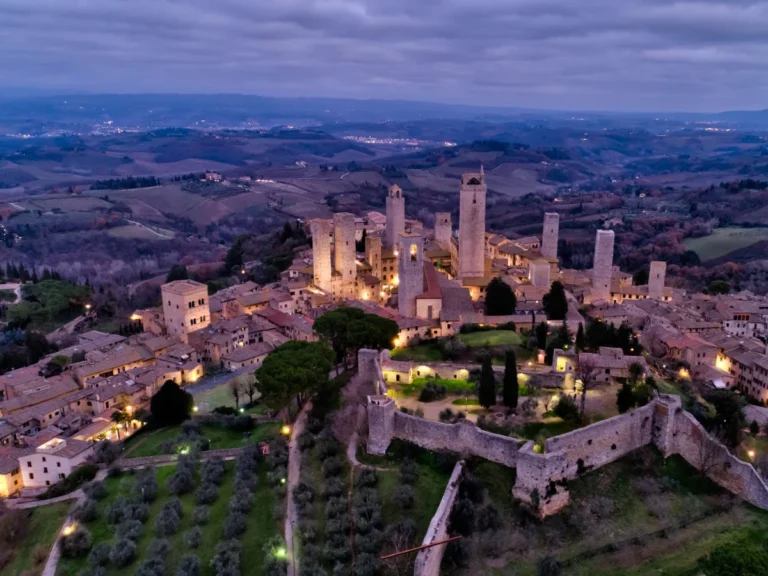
x,y
185,307
538,273
472,225
550,233
443,229
344,248
373,255
395,216
656,280
411,271
321,254
602,269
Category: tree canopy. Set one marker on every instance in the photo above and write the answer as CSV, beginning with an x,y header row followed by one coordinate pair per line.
x,y
555,302
294,369
348,329
177,272
500,299
171,405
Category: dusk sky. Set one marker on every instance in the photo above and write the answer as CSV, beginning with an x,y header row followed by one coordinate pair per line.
x,y
565,54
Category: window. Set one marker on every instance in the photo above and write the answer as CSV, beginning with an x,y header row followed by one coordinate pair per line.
x,y
58,464
62,476
202,318
43,458
31,476
201,301
47,482
193,321
45,470
191,304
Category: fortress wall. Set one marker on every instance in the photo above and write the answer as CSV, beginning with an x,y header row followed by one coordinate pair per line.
x,y
428,560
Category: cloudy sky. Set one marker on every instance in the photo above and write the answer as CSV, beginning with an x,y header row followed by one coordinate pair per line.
x,y
566,54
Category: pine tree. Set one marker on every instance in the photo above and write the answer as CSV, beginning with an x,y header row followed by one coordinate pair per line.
x,y
624,398
487,389
580,341
35,279
511,386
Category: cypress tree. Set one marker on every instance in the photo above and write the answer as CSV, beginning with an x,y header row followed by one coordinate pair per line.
x,y
580,341
511,387
487,389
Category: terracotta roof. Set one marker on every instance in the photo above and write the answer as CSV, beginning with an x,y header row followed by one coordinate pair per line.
x,y
183,287
241,354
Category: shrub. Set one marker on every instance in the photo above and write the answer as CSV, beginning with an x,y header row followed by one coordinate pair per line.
x,y
182,481
367,478
106,452
306,441
131,529
137,511
175,505
275,561
566,409
308,530
145,486
99,555
331,467
472,488
366,565
158,548
458,553
212,471
462,519
116,511
206,494
489,518
327,448
92,571
337,548
245,480
193,537
336,507
431,392
226,562
79,476
114,471
370,543
200,515
123,552
403,496
95,490
408,471
241,501
189,565
152,567
548,566
334,487
234,525
76,544
88,511
167,522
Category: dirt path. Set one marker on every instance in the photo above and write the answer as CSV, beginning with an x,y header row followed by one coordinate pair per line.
x,y
294,472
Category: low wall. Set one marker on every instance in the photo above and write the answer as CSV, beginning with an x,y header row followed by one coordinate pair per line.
x,y
428,560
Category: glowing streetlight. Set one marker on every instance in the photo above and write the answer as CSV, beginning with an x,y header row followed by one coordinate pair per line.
x,y
87,306
282,480
751,454
280,553
285,430
195,409
242,410
69,529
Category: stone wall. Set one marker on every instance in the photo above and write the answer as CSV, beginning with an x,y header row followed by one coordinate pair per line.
x,y
428,560
386,423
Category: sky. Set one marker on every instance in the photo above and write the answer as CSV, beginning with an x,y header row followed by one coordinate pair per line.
x,y
645,55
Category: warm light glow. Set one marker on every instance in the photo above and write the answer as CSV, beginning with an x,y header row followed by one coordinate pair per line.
x,y
240,343
365,295
751,454
684,374
530,363
285,430
382,294
396,342
396,281
721,364
69,529
87,306
413,249
242,410
280,553
135,317
195,409
565,347
282,480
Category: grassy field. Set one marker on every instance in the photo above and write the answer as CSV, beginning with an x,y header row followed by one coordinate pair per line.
x,y
222,396
725,240
45,523
139,233
678,515
451,386
424,352
491,338
148,444
261,525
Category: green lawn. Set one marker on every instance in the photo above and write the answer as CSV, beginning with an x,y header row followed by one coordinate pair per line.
x,y
531,430
725,240
491,338
45,523
148,444
222,396
452,386
668,387
424,352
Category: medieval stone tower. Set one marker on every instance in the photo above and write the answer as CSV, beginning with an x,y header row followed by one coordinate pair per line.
x,y
549,235
656,280
321,254
538,273
410,265
472,225
395,216
443,228
602,268
344,246
373,254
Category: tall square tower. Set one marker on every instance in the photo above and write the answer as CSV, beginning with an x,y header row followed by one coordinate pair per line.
x,y
472,225
185,307
549,235
410,266
395,216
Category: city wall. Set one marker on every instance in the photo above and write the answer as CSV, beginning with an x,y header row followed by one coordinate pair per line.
x,y
428,560
543,476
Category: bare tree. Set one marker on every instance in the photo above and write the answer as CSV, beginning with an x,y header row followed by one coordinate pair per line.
x,y
248,386
709,451
586,372
235,388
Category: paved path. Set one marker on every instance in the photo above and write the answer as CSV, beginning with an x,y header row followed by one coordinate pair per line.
x,y
294,472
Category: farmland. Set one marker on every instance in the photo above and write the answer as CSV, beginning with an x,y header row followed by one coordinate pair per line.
x,y
723,241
